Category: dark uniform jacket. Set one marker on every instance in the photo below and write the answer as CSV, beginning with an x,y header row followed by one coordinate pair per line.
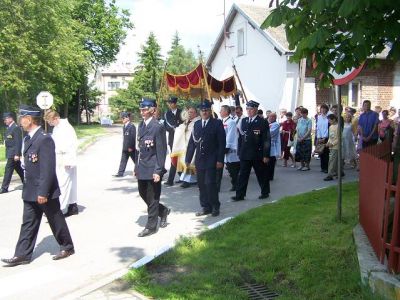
x,y
40,168
171,122
209,144
255,142
13,141
152,150
129,137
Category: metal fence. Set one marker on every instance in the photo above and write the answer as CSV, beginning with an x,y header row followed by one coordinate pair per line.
x,y
379,204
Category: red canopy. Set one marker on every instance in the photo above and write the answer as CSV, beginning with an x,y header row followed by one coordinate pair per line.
x,y
192,84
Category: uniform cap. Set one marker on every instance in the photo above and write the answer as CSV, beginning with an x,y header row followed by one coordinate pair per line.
x,y
7,115
125,115
147,103
252,103
172,100
27,110
205,104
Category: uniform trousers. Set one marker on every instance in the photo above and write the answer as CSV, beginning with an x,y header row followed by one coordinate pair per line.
x,y
150,192
11,165
31,219
124,160
233,170
324,157
271,167
207,182
260,169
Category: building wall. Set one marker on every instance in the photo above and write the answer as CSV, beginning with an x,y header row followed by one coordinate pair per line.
x,y
267,77
377,83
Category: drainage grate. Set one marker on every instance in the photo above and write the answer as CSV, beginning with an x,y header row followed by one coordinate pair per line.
x,y
258,292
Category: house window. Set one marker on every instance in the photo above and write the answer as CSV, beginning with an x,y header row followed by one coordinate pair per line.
x,y
113,85
241,42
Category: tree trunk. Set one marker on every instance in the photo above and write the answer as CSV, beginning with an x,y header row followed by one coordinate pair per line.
x,y
78,119
66,110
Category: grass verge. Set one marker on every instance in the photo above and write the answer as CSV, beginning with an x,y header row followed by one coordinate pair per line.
x,y
295,247
89,130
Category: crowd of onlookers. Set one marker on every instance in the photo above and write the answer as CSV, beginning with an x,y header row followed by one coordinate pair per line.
x,y
303,136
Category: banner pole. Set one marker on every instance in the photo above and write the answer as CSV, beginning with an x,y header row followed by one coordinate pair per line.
x,y
161,84
240,82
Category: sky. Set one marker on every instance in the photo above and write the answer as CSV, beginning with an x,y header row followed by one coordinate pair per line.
x,y
198,23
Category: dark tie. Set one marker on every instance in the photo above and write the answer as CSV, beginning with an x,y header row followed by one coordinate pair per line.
x,y
27,138
204,124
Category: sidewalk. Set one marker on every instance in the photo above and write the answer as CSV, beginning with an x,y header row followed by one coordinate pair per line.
x,y
112,213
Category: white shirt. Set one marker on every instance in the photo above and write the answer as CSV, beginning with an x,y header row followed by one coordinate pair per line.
x,y
146,122
204,124
322,126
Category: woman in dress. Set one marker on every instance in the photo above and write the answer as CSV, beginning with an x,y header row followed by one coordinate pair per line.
x,y
348,140
304,145
385,127
288,130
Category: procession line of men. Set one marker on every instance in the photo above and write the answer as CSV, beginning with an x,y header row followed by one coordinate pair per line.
x,y
212,143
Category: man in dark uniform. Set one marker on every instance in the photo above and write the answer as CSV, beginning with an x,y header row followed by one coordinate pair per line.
x,y
149,168
13,142
208,140
172,119
254,150
40,193
128,145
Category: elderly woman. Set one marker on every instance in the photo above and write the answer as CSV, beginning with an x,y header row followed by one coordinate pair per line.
x,y
275,144
304,145
385,127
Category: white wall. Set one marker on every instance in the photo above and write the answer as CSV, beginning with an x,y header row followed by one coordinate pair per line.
x,y
396,87
266,76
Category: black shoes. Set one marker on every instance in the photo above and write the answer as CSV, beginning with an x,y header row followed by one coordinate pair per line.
x,y
168,183
203,213
63,254
215,213
328,178
163,222
265,196
15,261
3,191
72,210
146,232
185,185
237,198
118,175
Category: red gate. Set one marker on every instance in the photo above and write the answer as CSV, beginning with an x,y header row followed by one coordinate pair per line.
x,y
379,204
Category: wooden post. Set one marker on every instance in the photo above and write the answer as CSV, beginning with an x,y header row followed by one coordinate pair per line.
x,y
240,82
205,80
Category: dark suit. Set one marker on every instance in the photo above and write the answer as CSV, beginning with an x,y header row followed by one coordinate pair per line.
x,y
13,141
41,180
151,159
129,142
254,145
171,121
209,144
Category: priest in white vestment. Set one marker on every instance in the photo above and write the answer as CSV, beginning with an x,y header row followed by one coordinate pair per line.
x,y
66,143
181,140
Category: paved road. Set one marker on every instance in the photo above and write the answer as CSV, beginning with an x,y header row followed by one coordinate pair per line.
x,y
112,213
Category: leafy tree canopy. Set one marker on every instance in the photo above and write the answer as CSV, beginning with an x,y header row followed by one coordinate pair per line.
x,y
339,34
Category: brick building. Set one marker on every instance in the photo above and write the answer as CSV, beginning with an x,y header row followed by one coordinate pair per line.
x,y
379,82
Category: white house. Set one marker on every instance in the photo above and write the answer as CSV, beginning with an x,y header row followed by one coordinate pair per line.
x,y
261,58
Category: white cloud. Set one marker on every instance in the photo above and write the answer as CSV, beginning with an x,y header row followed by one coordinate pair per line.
x,y
198,22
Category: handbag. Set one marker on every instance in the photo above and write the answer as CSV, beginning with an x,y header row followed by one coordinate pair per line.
x,y
319,148
290,142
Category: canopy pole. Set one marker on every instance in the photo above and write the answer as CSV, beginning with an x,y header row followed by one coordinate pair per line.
x,y
161,84
205,80
240,82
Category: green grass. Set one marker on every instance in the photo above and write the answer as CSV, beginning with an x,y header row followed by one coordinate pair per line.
x,y
2,159
89,130
295,247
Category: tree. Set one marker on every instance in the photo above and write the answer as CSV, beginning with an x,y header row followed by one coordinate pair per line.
x,y
179,60
146,78
338,34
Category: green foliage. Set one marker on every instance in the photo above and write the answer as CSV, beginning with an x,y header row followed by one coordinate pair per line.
x,y
338,34
148,74
53,44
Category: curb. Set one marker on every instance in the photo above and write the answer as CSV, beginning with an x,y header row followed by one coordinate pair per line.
x,y
94,291
373,273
